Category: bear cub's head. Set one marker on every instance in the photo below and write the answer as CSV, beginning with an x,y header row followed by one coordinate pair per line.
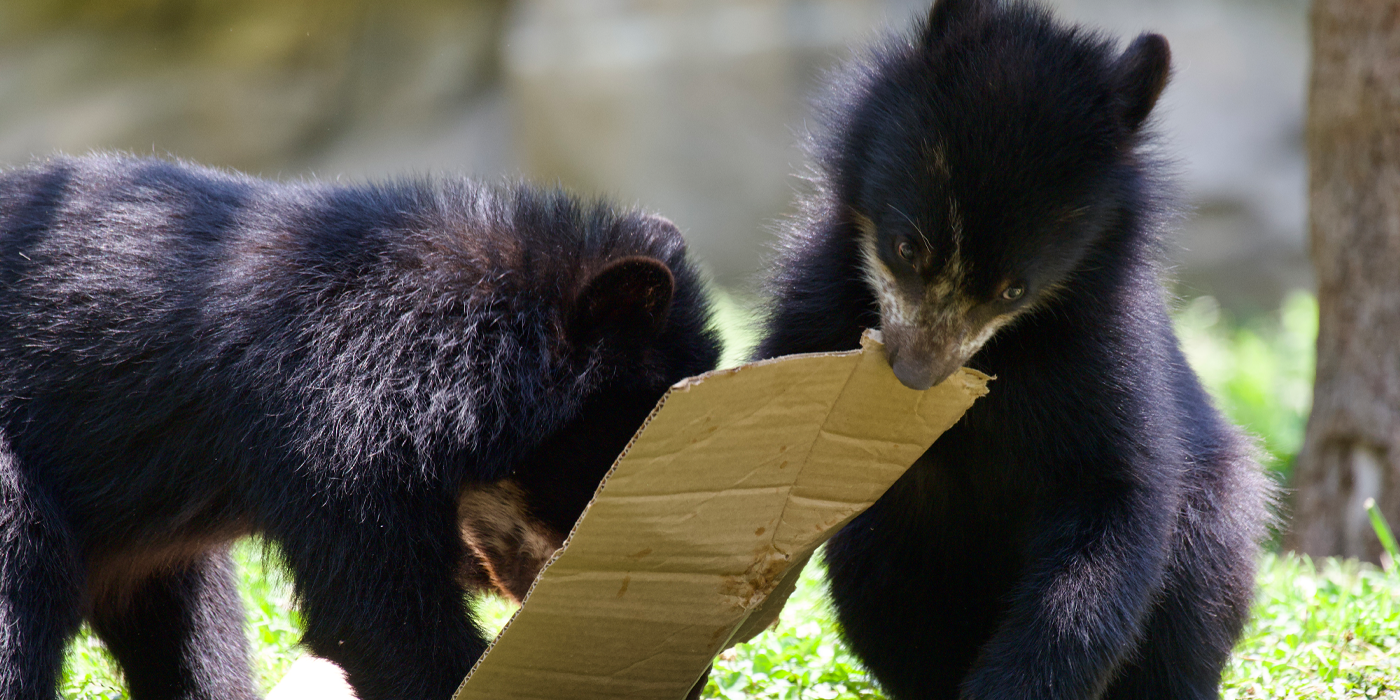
x,y
979,162
629,317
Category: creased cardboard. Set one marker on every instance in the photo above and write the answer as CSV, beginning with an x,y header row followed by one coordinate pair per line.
x,y
738,475
696,537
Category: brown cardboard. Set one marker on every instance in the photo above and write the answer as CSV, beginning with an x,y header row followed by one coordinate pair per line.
x,y
738,474
695,538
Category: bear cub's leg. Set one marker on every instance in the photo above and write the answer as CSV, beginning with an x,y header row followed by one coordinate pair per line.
x,y
178,634
40,588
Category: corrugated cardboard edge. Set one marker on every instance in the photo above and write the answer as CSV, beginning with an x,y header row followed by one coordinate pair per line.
x,y
683,386
973,382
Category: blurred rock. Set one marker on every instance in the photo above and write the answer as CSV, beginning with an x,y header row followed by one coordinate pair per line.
x,y
259,85
691,108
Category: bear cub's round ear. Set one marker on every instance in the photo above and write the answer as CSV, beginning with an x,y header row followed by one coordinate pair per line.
x,y
1140,75
945,14
628,298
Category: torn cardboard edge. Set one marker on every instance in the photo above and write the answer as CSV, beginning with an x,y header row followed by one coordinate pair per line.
x,y
697,534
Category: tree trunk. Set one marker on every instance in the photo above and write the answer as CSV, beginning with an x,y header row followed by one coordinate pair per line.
x,y
1352,448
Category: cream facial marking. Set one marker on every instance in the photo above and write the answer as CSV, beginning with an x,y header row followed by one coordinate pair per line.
x,y
938,162
894,308
949,283
971,345
512,545
942,302
938,323
945,306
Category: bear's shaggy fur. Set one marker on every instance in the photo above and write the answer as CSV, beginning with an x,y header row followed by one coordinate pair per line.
x,y
189,356
984,194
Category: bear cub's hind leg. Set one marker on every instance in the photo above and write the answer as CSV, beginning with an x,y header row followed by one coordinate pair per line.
x,y
178,634
40,586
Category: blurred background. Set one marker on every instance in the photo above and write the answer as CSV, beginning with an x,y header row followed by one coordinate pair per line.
x,y
691,108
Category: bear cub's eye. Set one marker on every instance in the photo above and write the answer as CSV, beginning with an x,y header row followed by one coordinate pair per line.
x,y
906,251
1014,292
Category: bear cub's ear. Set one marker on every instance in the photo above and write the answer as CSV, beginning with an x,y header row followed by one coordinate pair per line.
x,y
1140,75
946,13
629,299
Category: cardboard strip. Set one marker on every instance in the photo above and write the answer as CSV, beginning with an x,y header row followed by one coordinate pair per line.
x,y
738,476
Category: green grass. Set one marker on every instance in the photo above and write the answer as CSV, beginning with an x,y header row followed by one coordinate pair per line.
x,y
1328,629
273,628
1325,630
736,325
1260,371
802,657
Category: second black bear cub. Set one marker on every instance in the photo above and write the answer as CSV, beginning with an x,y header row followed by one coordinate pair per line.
x,y
189,356
1089,528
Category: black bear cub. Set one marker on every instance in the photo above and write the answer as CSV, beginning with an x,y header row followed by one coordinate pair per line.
x,y
985,195
363,374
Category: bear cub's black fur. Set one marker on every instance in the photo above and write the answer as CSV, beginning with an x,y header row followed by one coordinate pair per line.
x,y
363,374
985,194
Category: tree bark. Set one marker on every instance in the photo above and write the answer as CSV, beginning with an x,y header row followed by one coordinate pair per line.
x,y
1352,448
